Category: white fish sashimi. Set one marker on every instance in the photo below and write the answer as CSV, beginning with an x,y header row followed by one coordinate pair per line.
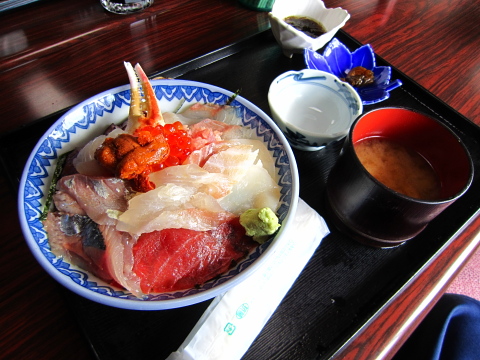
x,y
215,126
264,157
256,190
201,155
85,162
220,130
170,118
193,113
212,131
144,207
199,111
192,175
207,131
229,115
119,258
233,162
239,132
224,113
191,218
172,206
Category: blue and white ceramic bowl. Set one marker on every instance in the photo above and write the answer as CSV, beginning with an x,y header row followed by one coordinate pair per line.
x,y
313,108
89,119
338,60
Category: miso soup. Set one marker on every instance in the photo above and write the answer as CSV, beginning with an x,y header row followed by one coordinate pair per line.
x,y
399,168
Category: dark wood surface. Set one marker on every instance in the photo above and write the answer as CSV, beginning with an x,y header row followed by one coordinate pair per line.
x,y
56,53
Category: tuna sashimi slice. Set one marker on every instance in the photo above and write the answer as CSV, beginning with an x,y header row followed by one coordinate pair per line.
x,y
176,259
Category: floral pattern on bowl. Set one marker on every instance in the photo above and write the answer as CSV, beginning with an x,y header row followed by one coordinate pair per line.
x,y
338,60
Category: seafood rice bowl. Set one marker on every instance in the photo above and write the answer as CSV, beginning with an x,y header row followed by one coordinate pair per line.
x,y
141,203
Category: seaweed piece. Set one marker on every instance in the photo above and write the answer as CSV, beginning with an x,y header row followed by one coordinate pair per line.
x,y
231,98
56,176
179,107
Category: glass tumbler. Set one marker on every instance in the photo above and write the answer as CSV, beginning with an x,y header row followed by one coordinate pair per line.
x,y
125,6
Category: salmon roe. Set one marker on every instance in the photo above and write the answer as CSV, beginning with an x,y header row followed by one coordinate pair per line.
x,y
177,137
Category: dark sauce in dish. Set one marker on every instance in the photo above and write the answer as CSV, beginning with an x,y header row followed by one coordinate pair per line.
x,y
306,25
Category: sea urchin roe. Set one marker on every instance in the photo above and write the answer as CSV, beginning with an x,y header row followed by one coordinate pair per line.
x,y
306,25
127,157
399,168
149,149
360,76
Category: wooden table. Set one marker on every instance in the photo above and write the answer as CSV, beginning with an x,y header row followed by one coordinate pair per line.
x,y
56,53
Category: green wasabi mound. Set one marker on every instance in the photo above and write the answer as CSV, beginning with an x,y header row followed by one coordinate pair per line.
x,y
259,223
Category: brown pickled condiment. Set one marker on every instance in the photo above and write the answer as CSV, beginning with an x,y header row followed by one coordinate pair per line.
x,y
399,168
306,25
359,76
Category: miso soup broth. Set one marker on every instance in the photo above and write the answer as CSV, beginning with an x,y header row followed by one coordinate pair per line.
x,y
399,168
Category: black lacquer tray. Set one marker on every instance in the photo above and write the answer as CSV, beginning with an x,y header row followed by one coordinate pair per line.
x,y
344,284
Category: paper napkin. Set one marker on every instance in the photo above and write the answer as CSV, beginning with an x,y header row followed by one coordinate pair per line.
x,y
233,320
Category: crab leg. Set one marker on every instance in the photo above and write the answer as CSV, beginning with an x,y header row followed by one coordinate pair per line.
x,y
143,111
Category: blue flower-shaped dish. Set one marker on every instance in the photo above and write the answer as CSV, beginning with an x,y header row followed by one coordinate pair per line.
x,y
338,60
